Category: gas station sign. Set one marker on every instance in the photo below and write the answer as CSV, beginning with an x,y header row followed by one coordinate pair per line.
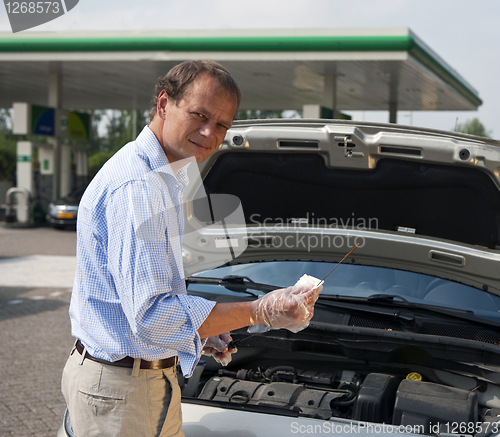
x,y
43,120
79,126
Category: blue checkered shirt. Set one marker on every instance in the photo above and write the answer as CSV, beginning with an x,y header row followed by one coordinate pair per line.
x,y
129,295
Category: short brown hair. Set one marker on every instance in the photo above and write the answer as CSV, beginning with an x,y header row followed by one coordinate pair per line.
x,y
177,80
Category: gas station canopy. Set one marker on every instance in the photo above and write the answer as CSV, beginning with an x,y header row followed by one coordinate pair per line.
x,y
343,69
320,71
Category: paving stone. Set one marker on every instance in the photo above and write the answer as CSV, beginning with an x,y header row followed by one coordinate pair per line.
x,y
9,422
17,409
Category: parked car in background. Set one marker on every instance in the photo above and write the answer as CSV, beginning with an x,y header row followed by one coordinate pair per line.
x,y
64,211
406,332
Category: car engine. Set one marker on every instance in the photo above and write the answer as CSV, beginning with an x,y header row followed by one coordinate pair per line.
x,y
375,397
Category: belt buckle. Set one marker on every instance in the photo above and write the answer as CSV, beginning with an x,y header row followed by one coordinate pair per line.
x,y
155,365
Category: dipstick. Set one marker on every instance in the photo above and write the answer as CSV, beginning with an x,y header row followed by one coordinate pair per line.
x,y
336,265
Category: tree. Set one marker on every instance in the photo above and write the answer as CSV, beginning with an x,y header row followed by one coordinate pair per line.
x,y
473,127
119,127
111,130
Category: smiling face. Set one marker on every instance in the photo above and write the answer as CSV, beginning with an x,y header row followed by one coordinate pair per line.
x,y
195,125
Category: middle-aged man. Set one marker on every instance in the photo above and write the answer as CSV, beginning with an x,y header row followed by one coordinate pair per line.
x,y
129,309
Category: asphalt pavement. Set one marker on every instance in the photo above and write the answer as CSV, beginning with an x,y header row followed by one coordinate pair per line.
x,y
36,273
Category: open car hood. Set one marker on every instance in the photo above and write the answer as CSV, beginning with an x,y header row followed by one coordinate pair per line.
x,y
415,199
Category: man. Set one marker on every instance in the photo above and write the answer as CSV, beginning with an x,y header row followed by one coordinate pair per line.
x,y
129,309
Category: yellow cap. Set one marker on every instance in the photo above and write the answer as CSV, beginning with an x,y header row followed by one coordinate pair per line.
x,y
414,376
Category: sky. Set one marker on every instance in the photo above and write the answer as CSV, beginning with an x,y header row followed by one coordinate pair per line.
x,y
465,34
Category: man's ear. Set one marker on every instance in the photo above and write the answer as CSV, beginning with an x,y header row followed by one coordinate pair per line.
x,y
161,105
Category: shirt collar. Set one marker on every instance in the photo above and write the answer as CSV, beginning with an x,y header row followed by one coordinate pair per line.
x,y
156,157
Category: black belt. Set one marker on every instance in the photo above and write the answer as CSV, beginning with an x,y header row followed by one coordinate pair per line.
x,y
129,361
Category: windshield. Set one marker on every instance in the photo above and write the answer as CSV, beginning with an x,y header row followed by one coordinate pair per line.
x,y
364,281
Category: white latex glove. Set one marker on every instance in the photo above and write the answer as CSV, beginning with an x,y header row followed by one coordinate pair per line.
x,y
291,308
217,347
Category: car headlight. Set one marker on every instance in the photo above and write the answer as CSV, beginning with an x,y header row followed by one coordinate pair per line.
x,y
52,210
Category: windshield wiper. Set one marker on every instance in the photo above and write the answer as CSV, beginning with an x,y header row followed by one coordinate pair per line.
x,y
397,301
239,284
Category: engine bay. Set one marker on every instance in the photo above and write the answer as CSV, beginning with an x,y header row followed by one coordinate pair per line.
x,y
361,368
411,401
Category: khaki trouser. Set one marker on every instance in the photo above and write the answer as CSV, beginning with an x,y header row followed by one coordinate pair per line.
x,y
107,401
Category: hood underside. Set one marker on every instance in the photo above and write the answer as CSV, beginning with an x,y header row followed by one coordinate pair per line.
x,y
379,177
453,203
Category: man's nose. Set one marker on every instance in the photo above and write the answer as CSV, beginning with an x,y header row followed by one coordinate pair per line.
x,y
208,129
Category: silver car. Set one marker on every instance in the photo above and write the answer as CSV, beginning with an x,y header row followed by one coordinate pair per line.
x,y
406,332
64,211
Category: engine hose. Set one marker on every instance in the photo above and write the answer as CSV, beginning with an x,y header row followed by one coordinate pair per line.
x,y
269,373
351,392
